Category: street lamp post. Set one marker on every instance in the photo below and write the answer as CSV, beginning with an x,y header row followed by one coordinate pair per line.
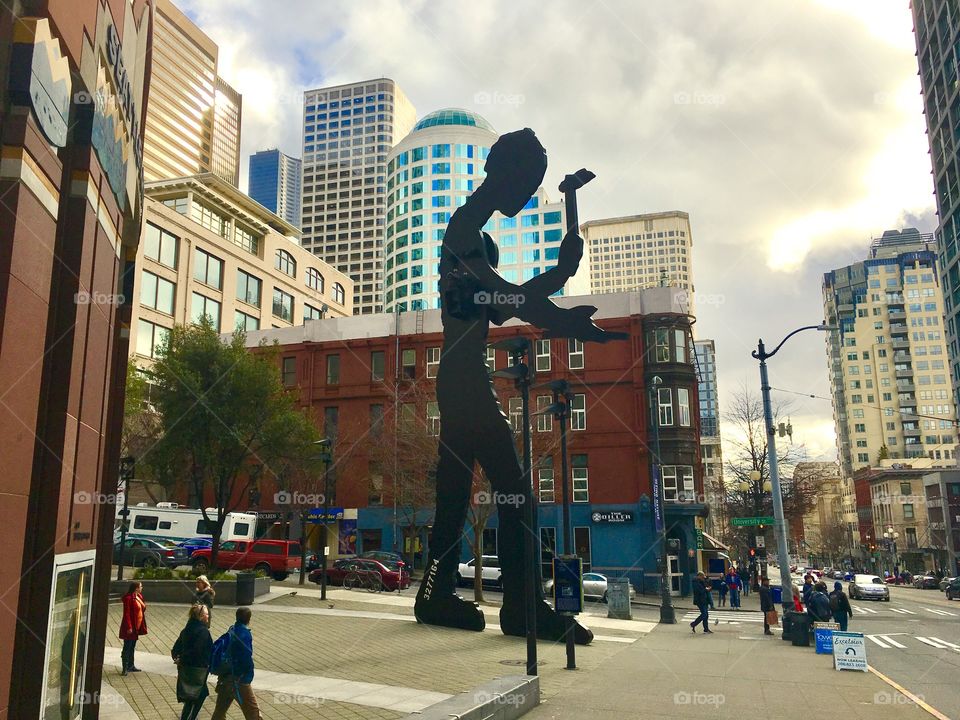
x,y
325,456
891,535
780,527
667,614
127,465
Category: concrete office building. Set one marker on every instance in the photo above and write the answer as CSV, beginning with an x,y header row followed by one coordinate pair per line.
x,y
711,452
347,132
640,251
208,249
273,180
192,123
935,25
888,361
430,174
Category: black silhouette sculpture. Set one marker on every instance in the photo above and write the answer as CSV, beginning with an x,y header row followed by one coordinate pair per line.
x,y
473,426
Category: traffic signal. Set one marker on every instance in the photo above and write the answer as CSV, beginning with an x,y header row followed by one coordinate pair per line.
x,y
753,552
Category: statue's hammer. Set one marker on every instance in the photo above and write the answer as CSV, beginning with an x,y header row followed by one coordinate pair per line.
x,y
569,186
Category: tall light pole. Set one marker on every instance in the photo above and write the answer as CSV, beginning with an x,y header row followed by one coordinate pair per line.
x,y
127,469
780,527
324,455
667,614
891,535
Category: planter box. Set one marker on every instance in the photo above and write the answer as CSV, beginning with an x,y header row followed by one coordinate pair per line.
x,y
182,591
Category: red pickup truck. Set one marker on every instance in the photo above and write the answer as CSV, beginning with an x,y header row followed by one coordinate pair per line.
x,y
278,558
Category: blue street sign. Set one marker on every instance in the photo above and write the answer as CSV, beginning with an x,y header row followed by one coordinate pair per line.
x,y
567,584
657,500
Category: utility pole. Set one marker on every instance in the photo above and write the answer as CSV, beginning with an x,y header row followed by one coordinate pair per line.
x,y
667,614
127,468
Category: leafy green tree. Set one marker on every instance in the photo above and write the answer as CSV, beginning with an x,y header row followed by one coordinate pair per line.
x,y
225,419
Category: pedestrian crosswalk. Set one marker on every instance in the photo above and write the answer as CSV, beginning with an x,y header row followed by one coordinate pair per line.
x,y
728,617
896,641
902,611
940,612
864,610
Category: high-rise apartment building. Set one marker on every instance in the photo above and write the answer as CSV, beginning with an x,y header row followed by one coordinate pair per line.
x,y
935,25
640,251
347,132
706,353
192,121
430,173
273,180
888,360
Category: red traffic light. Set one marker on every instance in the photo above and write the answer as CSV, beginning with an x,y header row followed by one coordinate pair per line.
x,y
753,552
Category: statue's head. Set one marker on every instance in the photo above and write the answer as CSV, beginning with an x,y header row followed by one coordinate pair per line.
x,y
515,168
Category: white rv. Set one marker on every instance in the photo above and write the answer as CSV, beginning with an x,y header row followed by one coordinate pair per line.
x,y
168,520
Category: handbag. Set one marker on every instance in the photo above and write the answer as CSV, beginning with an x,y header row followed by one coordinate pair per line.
x,y
772,617
191,683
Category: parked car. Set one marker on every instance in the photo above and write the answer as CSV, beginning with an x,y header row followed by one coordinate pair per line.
x,y
384,556
838,574
594,587
278,558
490,572
946,581
393,575
194,544
868,587
926,582
953,589
150,553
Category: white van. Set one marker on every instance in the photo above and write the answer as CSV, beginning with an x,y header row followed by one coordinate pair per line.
x,y
168,520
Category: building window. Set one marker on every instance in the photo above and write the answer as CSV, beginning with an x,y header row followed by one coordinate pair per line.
x,y
284,262
515,413
157,292
282,305
542,355
248,288
338,294
905,488
314,280
683,406
580,477
245,239
333,369
311,313
377,365
242,321
575,354
331,421
433,418
491,359
150,337
408,364
545,481
665,406
202,305
289,372
680,345
433,361
161,246
677,483
207,269
544,419
210,219
578,412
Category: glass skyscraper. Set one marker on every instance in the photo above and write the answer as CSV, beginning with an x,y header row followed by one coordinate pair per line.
x,y
273,180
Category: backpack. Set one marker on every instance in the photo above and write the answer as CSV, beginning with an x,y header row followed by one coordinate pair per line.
x,y
220,662
834,601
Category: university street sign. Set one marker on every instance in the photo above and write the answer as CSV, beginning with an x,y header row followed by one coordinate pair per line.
x,y
748,521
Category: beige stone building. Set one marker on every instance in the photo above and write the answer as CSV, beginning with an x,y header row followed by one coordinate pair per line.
x,y
209,249
640,251
824,530
901,531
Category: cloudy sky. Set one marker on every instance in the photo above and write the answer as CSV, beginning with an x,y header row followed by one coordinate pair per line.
x,y
790,130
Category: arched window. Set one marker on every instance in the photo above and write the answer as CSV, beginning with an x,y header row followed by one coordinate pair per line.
x,y
314,279
338,294
285,263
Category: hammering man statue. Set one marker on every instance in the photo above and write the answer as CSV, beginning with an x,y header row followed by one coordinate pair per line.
x,y
473,426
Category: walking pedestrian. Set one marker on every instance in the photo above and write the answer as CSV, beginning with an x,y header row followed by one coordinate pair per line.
x,y
236,683
840,606
133,624
191,653
807,589
766,604
722,592
205,594
819,605
701,598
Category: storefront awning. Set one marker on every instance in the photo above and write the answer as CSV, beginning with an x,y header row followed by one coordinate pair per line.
x,y
711,543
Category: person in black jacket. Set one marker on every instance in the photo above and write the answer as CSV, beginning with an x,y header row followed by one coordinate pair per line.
x,y
840,605
701,598
191,652
807,589
766,603
819,605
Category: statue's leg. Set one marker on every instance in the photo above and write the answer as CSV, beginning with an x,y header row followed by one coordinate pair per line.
x,y
437,602
498,457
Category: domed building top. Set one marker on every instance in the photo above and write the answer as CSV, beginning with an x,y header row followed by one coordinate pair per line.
x,y
453,116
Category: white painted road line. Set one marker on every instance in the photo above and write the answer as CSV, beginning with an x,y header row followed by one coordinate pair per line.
x,y
951,645
940,612
903,611
893,642
886,642
860,609
935,642
878,641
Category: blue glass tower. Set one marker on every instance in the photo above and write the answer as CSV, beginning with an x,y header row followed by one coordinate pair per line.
x,y
274,182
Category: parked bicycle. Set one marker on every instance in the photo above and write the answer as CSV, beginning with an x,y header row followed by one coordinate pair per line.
x,y
356,578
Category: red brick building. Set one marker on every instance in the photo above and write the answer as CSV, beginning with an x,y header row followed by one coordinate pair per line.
x,y
73,85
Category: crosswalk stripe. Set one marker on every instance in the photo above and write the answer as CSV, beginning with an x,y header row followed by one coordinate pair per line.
x,y
864,609
940,612
893,642
903,611
932,642
878,641
947,643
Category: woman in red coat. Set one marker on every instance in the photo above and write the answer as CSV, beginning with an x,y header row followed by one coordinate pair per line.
x,y
132,626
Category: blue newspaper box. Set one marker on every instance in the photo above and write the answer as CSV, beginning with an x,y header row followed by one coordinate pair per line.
x,y
567,584
823,636
776,594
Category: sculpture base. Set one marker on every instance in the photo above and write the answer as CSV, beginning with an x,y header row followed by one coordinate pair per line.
x,y
550,625
449,611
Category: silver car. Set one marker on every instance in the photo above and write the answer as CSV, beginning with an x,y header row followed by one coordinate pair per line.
x,y
868,587
594,587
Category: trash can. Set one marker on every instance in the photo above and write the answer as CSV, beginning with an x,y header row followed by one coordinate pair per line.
x,y
618,599
776,594
800,635
245,586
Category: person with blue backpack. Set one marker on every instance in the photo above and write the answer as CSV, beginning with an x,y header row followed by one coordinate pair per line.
x,y
232,662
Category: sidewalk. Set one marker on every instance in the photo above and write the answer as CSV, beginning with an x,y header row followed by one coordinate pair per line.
x,y
736,672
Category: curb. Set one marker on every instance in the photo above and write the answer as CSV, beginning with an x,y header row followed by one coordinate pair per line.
x,y
503,698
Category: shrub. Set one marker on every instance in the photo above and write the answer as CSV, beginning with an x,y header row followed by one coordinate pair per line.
x,y
157,573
